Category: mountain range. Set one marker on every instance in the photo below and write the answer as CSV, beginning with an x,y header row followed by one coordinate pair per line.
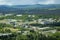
x,y
30,9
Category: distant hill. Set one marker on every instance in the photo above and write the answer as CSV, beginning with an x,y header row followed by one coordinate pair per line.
x,y
31,9
37,6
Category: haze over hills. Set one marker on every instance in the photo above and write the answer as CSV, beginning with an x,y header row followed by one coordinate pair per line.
x,y
38,6
30,9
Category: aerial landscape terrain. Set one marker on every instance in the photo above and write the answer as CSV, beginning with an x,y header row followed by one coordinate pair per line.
x,y
29,21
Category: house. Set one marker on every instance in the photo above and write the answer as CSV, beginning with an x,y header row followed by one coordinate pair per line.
x,y
43,28
25,32
31,15
11,20
19,15
8,14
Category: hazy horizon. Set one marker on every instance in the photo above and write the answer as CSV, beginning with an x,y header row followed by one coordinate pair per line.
x,y
28,2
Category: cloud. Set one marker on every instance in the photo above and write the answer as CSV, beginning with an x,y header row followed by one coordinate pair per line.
x,y
57,1
47,2
28,2
3,2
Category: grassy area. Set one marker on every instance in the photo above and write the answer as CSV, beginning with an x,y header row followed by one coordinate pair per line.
x,y
11,29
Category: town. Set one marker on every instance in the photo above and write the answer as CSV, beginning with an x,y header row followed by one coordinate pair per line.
x,y
25,24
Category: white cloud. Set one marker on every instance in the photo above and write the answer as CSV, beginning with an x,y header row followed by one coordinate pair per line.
x,y
23,2
4,2
47,2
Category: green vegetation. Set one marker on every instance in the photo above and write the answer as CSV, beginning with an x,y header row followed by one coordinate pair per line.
x,y
22,32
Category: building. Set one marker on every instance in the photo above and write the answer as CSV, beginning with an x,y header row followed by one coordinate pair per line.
x,y
19,15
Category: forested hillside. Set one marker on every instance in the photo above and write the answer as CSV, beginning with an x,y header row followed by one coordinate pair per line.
x,y
31,9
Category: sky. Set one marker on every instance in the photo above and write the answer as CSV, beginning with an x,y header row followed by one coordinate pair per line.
x,y
28,2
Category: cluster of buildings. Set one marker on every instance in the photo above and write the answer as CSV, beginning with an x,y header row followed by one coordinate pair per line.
x,y
46,21
15,23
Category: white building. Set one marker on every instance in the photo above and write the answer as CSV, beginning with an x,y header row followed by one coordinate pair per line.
x,y
31,15
8,14
19,15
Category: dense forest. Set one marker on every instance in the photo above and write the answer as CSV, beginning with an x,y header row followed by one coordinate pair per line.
x,y
30,9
